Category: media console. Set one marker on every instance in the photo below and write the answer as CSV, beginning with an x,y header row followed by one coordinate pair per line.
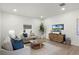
x,y
57,37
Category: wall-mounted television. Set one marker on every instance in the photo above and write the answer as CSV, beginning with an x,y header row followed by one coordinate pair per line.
x,y
58,27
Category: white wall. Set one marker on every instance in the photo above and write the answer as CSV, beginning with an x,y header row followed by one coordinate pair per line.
x,y
14,22
69,21
0,29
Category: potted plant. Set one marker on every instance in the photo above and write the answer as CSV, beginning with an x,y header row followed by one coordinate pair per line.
x,y
42,29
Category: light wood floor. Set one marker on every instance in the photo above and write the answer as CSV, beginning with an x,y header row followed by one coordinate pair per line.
x,y
66,49
54,48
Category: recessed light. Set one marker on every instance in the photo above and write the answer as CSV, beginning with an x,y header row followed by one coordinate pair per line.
x,y
41,16
63,9
14,10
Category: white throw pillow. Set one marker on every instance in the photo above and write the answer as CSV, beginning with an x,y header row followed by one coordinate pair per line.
x,y
12,34
7,44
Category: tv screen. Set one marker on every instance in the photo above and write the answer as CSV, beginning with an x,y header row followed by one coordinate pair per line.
x,y
58,27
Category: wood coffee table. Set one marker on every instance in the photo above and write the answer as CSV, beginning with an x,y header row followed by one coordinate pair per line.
x,y
36,45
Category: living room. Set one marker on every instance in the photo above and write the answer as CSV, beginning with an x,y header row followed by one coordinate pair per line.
x,y
17,17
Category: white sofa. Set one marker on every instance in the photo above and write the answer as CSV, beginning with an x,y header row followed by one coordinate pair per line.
x,y
8,50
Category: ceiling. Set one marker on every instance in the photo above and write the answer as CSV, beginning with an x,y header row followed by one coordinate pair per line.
x,y
37,9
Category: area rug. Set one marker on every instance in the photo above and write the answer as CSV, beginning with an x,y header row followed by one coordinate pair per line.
x,y
47,49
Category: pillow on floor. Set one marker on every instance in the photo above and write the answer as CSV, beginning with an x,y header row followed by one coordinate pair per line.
x,y
17,44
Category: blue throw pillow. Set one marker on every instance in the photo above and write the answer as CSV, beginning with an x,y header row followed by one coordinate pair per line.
x,y
17,44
